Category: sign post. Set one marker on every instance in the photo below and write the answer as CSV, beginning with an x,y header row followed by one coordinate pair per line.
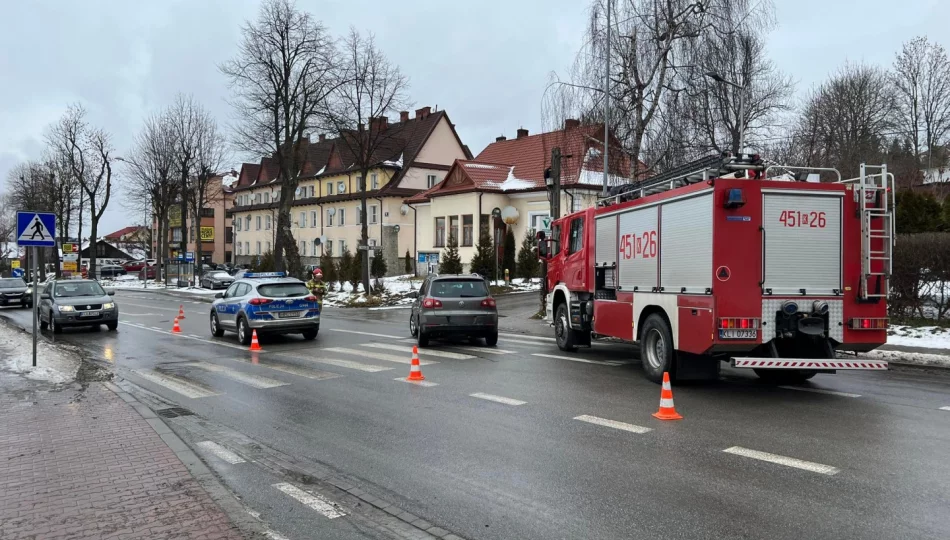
x,y
35,229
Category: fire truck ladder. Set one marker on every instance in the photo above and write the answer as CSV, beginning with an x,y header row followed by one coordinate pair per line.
x,y
700,170
875,196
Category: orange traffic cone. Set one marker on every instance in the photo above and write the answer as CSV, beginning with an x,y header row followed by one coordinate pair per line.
x,y
415,372
255,345
667,411
181,311
176,329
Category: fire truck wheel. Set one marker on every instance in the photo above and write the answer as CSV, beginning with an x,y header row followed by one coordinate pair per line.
x,y
785,376
566,338
656,347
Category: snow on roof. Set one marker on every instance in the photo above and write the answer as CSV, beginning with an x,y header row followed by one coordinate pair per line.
x,y
480,166
321,170
397,163
511,183
229,180
596,178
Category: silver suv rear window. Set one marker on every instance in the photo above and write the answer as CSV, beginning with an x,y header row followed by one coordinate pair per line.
x,y
458,288
283,290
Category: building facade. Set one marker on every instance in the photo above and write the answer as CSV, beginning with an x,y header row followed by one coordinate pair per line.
x,y
509,175
211,240
326,210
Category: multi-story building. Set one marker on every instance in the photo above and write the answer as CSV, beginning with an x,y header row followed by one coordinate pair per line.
x,y
509,175
211,239
326,211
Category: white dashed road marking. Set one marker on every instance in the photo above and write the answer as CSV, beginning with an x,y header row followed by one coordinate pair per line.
x,y
525,336
820,391
155,329
577,359
348,364
405,359
945,408
175,384
783,460
315,502
367,333
427,352
487,350
498,399
244,378
522,342
221,452
612,424
417,383
274,535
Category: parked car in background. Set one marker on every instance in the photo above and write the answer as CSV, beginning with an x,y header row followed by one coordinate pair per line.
x,y
454,305
216,279
134,266
76,302
110,270
13,291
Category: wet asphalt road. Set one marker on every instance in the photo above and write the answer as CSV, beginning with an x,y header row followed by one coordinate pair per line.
x,y
874,454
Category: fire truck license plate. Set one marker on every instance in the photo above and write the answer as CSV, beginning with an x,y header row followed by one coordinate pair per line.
x,y
738,334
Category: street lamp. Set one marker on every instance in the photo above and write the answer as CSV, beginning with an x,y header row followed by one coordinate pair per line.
x,y
722,80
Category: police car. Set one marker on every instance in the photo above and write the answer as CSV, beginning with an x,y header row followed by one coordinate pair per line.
x,y
268,302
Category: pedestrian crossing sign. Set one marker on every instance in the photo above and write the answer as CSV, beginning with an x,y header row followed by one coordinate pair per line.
x,y
36,229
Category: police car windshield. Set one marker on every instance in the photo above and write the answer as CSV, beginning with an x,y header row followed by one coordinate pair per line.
x,y
7,283
283,290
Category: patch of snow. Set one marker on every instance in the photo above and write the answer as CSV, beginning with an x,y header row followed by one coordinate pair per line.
x,y
931,337
596,178
480,166
321,170
53,364
920,359
229,180
397,163
512,183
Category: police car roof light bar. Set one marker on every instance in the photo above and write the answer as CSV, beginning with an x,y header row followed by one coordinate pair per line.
x,y
256,275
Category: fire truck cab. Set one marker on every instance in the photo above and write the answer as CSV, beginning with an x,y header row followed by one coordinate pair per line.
x,y
728,259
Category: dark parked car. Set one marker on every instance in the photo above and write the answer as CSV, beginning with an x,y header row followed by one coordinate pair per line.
x,y
76,302
454,305
216,279
14,291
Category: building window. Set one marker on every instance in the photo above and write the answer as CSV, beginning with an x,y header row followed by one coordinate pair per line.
x,y
311,191
374,178
440,232
329,248
228,235
207,212
237,224
342,246
257,198
342,213
239,248
247,248
576,203
534,220
359,183
372,242
431,180
267,197
176,234
257,223
267,246
267,223
303,248
359,215
373,214
313,218
258,246
454,227
467,225
303,220
329,188
329,217
247,223
484,222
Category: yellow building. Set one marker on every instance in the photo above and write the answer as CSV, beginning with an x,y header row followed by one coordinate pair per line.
x,y
416,155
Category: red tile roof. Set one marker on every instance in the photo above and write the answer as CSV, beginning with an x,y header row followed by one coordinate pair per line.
x,y
117,235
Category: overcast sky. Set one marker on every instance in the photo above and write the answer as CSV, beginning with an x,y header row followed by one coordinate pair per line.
x,y
485,62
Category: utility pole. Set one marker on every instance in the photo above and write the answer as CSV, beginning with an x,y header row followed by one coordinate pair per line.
x,y
606,105
556,182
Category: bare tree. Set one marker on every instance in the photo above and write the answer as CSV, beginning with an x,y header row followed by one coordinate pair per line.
x,y
153,183
847,119
209,161
88,153
185,116
372,88
922,81
283,73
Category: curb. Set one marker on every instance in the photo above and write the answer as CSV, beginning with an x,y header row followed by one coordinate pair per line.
x,y
221,496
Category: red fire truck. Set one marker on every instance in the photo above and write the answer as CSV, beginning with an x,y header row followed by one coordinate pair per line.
x,y
732,259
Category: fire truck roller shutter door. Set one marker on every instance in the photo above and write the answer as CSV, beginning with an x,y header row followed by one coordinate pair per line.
x,y
606,252
637,250
802,242
686,243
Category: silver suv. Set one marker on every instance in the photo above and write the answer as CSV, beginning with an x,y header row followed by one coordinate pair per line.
x,y
454,305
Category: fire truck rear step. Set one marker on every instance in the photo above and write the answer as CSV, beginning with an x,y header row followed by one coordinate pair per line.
x,y
807,363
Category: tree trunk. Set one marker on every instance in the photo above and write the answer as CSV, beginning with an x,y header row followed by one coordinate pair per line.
x,y
93,244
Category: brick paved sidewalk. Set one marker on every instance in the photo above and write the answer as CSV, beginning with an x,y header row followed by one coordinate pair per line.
x,y
84,464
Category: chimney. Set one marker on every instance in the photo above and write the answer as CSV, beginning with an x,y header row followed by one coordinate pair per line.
x,y
522,132
501,138
571,123
403,116
323,137
379,123
423,112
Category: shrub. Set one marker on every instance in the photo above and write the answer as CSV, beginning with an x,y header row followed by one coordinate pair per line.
x,y
528,264
450,262
508,261
483,262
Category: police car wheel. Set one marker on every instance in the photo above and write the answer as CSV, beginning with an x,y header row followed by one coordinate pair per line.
x,y
310,335
244,332
216,329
